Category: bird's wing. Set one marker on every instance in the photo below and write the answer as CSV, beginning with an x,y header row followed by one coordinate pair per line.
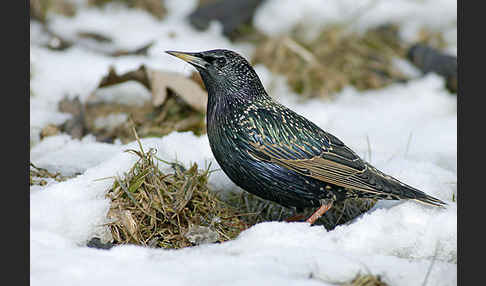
x,y
301,146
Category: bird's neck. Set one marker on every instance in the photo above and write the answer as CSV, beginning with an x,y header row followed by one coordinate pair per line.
x,y
223,104
225,99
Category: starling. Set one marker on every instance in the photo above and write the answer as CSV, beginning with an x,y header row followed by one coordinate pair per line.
x,y
276,154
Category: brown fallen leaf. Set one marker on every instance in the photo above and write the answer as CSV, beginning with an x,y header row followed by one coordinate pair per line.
x,y
184,87
49,130
142,51
94,36
158,82
139,75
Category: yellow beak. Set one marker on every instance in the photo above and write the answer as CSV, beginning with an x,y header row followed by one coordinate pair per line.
x,y
191,58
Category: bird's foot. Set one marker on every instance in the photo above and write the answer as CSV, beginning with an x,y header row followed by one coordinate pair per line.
x,y
320,211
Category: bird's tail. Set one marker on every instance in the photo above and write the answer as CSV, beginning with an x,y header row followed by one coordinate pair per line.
x,y
411,193
399,190
429,200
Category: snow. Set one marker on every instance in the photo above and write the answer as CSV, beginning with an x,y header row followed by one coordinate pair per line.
x,y
411,15
408,130
128,93
110,122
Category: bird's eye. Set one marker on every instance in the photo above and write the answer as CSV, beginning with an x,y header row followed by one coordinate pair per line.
x,y
220,61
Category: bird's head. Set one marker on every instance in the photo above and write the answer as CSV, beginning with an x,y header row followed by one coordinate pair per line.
x,y
223,72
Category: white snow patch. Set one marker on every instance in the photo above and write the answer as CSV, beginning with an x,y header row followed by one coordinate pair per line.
x,y
110,122
127,93
69,156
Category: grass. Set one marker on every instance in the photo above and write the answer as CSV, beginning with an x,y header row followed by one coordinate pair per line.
x,y
434,39
334,59
38,175
360,279
155,7
260,210
365,280
39,9
169,210
337,57
149,120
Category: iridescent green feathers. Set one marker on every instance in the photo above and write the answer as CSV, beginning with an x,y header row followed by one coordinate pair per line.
x,y
280,136
271,151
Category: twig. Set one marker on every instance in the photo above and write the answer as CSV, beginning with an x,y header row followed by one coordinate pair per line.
x,y
431,264
369,147
300,51
408,143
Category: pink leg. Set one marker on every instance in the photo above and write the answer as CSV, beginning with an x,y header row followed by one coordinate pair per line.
x,y
319,212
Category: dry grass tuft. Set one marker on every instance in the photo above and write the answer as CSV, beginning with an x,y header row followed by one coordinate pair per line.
x,y
169,210
433,39
39,9
38,175
366,280
336,58
154,7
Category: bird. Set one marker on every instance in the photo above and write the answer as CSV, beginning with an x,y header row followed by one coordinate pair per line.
x,y
276,154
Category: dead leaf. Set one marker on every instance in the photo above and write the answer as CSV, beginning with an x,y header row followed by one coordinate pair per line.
x,y
139,75
158,82
184,87
142,51
49,130
128,222
94,36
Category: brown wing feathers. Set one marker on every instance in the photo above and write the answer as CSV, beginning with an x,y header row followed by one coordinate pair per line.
x,y
355,175
318,168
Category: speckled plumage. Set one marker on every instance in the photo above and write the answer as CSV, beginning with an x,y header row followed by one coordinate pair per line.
x,y
274,153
